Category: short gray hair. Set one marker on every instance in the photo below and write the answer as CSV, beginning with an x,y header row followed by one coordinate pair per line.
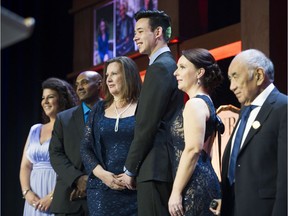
x,y
255,59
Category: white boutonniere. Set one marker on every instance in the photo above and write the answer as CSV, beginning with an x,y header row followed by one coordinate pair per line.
x,y
256,124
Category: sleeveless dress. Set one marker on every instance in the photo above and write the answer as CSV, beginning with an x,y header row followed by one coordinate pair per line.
x,y
43,177
203,185
114,147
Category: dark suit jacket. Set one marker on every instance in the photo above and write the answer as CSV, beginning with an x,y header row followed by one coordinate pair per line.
x,y
65,158
261,172
159,100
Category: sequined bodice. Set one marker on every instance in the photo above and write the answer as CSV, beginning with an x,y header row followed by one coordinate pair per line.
x,y
110,150
115,145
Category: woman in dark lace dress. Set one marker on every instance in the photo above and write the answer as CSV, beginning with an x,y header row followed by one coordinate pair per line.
x,y
107,138
193,131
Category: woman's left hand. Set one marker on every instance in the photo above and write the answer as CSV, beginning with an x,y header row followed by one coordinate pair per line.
x,y
175,205
44,203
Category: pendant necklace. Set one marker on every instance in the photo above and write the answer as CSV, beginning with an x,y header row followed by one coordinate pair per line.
x,y
119,115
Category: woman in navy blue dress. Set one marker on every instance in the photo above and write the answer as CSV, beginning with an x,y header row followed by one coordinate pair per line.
x,y
192,131
107,138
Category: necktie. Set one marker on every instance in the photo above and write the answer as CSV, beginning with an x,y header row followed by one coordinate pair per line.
x,y
237,142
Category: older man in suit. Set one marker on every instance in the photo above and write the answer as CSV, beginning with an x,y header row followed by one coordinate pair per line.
x,y
70,192
254,173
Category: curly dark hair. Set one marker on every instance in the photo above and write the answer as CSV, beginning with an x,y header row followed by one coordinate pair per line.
x,y
156,19
67,95
202,58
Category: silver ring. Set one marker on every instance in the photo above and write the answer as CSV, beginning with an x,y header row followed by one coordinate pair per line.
x,y
33,204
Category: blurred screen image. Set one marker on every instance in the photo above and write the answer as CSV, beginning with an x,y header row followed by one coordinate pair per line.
x,y
114,28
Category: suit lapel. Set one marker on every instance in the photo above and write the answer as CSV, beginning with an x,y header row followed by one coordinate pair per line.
x,y
78,118
261,117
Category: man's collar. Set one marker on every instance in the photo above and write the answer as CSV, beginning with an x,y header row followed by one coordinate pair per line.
x,y
157,53
85,108
260,99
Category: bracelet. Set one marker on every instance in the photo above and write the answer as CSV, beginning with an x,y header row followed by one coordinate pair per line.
x,y
25,192
51,196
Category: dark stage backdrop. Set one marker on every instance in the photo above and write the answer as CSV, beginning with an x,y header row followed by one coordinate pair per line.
x,y
24,65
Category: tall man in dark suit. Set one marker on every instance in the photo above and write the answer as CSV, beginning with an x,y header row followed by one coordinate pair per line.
x,y
159,99
257,183
70,192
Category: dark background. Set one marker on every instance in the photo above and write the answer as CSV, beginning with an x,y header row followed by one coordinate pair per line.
x,y
24,65
49,53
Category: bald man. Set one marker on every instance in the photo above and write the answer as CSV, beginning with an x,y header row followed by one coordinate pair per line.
x,y
70,192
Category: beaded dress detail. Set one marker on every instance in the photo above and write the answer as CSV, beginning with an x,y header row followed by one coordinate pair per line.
x,y
203,185
110,150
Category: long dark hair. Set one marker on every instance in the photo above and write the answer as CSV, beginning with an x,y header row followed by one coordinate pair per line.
x,y
67,96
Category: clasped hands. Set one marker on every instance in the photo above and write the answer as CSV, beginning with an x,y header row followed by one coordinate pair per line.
x,y
41,204
79,192
118,182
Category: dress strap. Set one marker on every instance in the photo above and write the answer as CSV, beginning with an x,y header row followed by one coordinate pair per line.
x,y
218,125
210,106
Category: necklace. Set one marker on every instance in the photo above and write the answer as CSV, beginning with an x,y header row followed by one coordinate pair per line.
x,y
119,115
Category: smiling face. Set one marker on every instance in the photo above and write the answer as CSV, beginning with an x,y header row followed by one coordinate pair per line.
x,y
243,82
50,102
186,74
144,37
115,79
